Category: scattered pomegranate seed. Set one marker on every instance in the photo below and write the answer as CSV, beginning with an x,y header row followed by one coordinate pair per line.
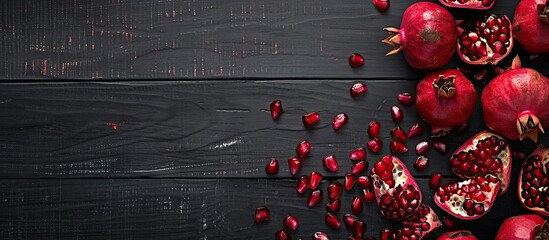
x,y
461,129
349,181
359,227
282,235
356,60
313,180
276,109
320,236
374,128
330,163
396,113
334,206
387,233
381,5
303,149
359,168
398,146
365,182
291,222
435,180
422,162
294,164
310,119
358,154
334,190
349,219
314,198
358,89
518,155
339,121
422,147
332,221
450,222
415,130
302,184
441,147
369,196
357,205
374,145
272,167
407,99
262,214
399,134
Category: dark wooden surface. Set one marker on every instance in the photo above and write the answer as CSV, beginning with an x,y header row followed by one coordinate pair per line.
x,y
149,120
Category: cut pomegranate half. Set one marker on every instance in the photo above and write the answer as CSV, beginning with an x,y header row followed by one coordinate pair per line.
x,y
533,185
470,4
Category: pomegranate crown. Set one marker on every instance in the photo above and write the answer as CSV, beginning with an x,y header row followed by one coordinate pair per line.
x,y
528,125
445,87
543,10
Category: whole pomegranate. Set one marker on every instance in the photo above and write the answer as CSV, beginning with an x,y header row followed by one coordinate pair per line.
x,y
533,184
484,153
457,235
531,25
427,36
523,227
515,104
445,98
470,4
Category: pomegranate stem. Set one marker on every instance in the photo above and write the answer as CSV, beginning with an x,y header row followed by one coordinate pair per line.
x,y
528,126
445,86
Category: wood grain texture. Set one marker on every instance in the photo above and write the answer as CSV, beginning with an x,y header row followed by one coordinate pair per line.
x,y
200,39
185,209
193,129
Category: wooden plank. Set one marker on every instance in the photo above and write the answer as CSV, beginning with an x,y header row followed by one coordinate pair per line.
x,y
193,129
185,209
200,39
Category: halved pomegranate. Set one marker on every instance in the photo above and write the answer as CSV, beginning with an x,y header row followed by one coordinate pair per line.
x,y
489,41
484,153
457,235
420,224
469,4
533,185
397,193
469,199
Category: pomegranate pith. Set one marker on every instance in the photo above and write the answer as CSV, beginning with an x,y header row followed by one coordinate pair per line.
x,y
533,184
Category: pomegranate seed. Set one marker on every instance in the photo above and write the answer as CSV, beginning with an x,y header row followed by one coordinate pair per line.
x,y
398,133
334,190
387,233
358,154
357,205
422,162
282,235
422,147
359,227
398,146
373,129
415,130
334,206
313,180
381,5
450,222
332,221
440,147
302,184
396,113
320,236
310,119
330,163
359,168
350,180
272,167
374,145
356,60
339,121
276,109
314,198
365,182
461,129
294,164
262,214
435,180
369,196
358,89
291,222
349,219
518,155
406,99
303,149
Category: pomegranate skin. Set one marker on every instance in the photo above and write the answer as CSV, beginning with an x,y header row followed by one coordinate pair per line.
x,y
427,36
458,235
522,227
444,111
513,95
528,29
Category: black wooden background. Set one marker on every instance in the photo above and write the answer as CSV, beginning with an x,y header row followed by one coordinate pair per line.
x,y
149,119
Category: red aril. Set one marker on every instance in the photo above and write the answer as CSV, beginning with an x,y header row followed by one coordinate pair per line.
x,y
359,167
302,184
365,182
356,60
272,167
419,225
518,155
523,227
350,180
435,180
333,206
449,222
374,128
334,190
282,234
291,222
387,233
303,149
310,119
533,184
358,228
458,235
369,195
397,193
314,198
415,130
399,134
330,163
396,146
469,199
349,219
423,147
320,236
441,147
339,121
445,99
262,214
374,145
381,5
531,26
406,98
294,163
427,36
276,109
421,163
484,153
356,207
332,221
313,180
396,113
358,154
358,89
